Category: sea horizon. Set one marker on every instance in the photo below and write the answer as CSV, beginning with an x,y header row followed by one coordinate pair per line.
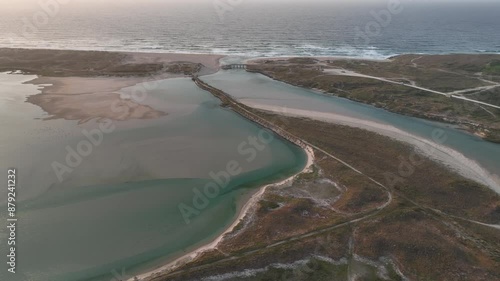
x,y
250,140
270,30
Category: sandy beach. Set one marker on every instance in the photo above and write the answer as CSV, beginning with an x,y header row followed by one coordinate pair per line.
x,y
449,157
318,58
245,210
87,98
226,140
83,94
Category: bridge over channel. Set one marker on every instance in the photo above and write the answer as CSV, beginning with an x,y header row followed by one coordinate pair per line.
x,y
234,66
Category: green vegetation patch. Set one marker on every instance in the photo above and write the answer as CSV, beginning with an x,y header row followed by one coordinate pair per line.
x,y
493,67
269,205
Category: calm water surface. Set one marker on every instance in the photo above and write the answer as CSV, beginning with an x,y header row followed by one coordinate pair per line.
x,y
119,208
259,28
258,89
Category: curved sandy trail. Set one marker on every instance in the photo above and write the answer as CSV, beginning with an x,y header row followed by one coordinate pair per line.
x,y
170,268
477,89
496,226
414,64
253,201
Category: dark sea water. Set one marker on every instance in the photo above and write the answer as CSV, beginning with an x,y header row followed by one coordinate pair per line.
x,y
257,29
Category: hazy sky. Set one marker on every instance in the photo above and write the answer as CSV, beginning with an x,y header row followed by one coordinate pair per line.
x,y
6,4
34,2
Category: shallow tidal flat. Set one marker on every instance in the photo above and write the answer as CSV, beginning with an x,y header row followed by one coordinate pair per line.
x,y
117,210
84,99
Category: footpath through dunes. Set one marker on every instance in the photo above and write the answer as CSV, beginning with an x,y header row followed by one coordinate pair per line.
x,y
247,113
241,109
444,89
244,111
415,229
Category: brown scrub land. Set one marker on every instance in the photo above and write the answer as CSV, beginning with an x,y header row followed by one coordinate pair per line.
x,y
433,87
371,208
351,221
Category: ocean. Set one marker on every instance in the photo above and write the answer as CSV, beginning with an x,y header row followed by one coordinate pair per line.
x,y
253,29
119,210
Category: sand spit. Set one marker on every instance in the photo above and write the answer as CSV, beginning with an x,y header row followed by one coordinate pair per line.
x,y
85,85
440,153
87,98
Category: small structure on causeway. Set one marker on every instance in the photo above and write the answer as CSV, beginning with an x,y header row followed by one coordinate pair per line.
x,y
234,66
246,112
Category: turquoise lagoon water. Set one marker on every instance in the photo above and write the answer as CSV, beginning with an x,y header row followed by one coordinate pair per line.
x,y
118,211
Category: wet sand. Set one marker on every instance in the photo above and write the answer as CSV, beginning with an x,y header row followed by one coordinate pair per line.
x,y
84,99
447,156
85,85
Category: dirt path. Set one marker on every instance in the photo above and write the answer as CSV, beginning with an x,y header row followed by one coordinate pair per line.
x,y
434,212
343,72
455,94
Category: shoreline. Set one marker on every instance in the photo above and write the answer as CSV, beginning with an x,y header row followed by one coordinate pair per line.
x,y
222,55
255,198
84,86
244,211
260,56
322,58
478,82
208,59
74,98
437,152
